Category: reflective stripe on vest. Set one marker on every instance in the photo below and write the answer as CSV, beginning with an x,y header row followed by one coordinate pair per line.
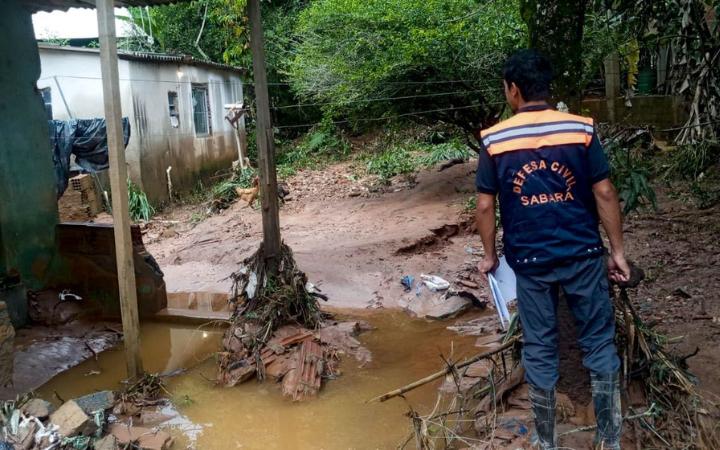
x,y
537,129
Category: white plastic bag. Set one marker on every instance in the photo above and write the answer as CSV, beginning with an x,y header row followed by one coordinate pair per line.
x,y
434,282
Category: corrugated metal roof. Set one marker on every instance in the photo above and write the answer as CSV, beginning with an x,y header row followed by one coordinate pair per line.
x,y
63,5
152,57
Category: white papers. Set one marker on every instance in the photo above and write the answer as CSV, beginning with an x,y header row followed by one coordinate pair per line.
x,y
503,287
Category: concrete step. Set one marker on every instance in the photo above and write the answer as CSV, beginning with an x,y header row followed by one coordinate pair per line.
x,y
192,315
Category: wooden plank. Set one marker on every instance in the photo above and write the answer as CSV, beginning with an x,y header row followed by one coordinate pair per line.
x,y
612,84
118,184
265,142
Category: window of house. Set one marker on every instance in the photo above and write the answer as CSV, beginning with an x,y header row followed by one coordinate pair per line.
x,y
201,109
47,100
173,109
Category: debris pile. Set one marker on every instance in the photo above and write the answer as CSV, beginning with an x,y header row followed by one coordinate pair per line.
x,y
438,299
661,405
278,330
100,421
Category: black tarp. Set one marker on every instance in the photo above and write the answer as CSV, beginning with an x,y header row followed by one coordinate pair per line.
x,y
84,138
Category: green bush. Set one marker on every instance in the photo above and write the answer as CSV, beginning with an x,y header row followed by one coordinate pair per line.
x,y
690,160
321,144
393,161
138,204
630,174
433,54
445,152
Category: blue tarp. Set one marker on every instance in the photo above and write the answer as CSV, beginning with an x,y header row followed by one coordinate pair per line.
x,y
87,140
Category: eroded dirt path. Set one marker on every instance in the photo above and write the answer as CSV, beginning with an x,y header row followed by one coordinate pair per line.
x,y
345,244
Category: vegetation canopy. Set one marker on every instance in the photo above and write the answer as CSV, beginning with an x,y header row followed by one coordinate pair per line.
x,y
438,59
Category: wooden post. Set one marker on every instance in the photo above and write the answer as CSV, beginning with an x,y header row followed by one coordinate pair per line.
x,y
118,184
265,143
612,84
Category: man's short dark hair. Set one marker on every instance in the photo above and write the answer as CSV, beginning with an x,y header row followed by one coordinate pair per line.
x,y
531,72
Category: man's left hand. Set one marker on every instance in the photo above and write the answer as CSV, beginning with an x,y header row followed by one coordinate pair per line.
x,y
618,267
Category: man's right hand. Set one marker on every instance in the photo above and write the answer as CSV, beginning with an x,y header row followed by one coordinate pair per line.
x,y
618,267
488,264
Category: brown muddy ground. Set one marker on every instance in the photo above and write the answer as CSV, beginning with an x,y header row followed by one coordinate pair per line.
x,y
346,239
679,248
345,244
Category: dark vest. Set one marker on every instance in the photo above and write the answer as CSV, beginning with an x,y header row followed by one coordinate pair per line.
x,y
545,193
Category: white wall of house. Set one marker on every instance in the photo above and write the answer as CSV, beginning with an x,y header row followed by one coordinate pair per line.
x,y
157,141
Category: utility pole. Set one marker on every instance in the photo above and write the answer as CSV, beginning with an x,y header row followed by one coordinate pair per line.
x,y
118,184
265,142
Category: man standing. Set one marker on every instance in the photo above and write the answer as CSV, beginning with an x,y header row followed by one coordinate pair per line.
x,y
550,175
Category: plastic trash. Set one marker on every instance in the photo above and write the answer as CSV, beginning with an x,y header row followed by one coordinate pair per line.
x,y
408,281
311,288
66,295
434,282
251,287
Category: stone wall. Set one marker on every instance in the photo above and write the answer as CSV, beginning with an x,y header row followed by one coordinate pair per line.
x,y
659,111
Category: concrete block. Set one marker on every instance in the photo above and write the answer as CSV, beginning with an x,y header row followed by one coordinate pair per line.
x,y
70,419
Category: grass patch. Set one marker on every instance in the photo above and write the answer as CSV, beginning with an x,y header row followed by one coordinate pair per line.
x,y
320,146
691,160
446,151
138,204
470,205
393,161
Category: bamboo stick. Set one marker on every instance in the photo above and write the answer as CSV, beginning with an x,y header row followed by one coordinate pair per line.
x,y
441,373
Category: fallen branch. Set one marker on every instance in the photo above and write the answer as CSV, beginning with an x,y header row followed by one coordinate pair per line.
x,y
651,411
448,369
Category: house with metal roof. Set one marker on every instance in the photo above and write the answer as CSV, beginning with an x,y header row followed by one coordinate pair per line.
x,y
175,106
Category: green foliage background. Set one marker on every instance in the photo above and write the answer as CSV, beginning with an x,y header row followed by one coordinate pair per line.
x,y
350,53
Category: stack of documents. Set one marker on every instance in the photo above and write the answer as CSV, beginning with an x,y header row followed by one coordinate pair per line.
x,y
503,287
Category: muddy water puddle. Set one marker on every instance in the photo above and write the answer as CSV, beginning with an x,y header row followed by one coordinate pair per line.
x,y
256,416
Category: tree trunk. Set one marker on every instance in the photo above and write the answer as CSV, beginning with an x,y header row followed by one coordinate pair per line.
x,y
556,30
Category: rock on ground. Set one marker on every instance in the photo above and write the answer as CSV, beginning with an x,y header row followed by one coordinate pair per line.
x,y
96,401
38,407
440,308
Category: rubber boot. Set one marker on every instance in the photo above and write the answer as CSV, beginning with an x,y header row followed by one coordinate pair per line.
x,y
606,399
543,406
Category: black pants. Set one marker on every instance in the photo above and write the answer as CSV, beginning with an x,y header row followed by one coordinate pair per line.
x,y
585,285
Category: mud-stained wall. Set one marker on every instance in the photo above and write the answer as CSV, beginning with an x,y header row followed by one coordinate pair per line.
x,y
28,208
74,79
160,144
